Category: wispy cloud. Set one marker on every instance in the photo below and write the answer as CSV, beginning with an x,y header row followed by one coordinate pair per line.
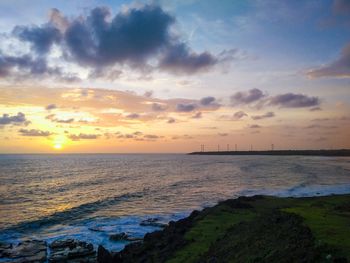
x,y
34,133
266,115
339,68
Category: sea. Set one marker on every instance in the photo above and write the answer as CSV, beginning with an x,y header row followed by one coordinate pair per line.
x,y
92,196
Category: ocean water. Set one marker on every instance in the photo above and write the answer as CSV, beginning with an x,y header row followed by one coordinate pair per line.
x,y
90,196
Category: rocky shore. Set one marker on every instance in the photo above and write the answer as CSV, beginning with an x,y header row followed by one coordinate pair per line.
x,y
36,251
250,229
247,229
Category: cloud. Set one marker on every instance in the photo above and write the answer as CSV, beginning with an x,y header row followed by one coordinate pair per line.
x,y
254,126
15,119
181,107
51,107
83,136
260,100
41,38
133,116
341,7
98,106
239,115
148,94
198,115
126,136
318,126
137,136
180,60
339,68
291,100
35,133
93,39
171,120
64,121
151,137
158,107
52,117
26,67
207,101
182,137
242,98
103,42
316,109
223,134
269,114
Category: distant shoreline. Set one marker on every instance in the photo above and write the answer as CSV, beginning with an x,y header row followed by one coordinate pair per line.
x,y
339,152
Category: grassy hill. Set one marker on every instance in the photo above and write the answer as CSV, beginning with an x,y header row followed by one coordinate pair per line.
x,y
251,229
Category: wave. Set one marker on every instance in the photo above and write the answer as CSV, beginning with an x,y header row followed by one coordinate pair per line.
x,y
72,213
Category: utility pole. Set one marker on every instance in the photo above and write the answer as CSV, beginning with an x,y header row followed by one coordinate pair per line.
x,y
272,147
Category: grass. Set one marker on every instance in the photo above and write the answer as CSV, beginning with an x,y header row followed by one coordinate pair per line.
x,y
260,229
327,217
207,230
329,220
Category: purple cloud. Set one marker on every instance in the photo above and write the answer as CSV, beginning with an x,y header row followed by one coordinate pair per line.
x,y
339,68
34,133
181,107
20,118
83,136
239,115
291,100
269,114
241,98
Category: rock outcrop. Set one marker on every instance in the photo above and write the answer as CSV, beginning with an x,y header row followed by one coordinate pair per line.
x,y
36,251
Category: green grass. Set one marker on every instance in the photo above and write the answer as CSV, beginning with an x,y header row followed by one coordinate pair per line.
x,y
328,224
207,230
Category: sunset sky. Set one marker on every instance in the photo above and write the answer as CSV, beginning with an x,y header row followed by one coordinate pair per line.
x,y
168,76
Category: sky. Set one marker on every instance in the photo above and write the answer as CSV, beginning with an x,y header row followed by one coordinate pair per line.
x,y
170,76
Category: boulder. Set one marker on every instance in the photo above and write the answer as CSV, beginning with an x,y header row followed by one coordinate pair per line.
x,y
27,251
103,255
70,250
62,243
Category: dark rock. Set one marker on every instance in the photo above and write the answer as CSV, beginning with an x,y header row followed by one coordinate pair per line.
x,y
4,248
70,250
118,237
340,260
152,222
123,237
63,243
157,246
103,255
239,203
26,251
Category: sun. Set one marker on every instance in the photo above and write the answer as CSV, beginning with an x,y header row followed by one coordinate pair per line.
x,y
57,146
58,142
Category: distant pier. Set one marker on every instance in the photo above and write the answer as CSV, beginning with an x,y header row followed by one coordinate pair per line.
x,y
339,152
